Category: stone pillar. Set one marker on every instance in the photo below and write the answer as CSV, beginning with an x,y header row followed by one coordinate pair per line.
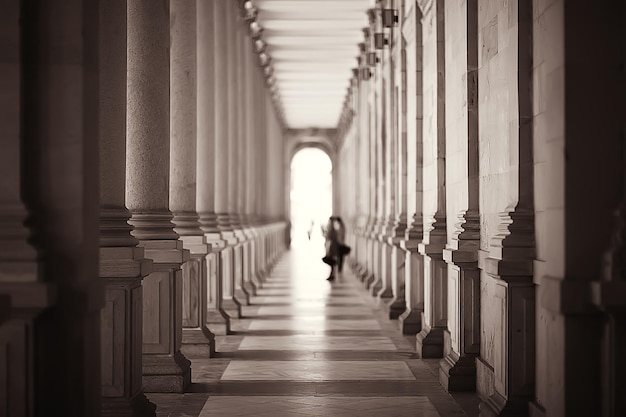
x,y
411,320
58,118
396,233
197,338
249,160
434,320
462,339
224,148
236,164
122,263
165,368
506,366
23,295
578,307
210,151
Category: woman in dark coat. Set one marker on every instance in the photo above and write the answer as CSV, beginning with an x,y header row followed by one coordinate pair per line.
x,y
335,247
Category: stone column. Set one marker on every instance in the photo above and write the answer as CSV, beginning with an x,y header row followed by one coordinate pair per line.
x,y
236,163
225,145
386,295
209,151
398,122
434,320
411,320
197,338
506,366
23,295
122,262
249,160
59,131
165,368
462,339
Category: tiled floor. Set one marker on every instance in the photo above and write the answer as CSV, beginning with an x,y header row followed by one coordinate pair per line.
x,y
307,347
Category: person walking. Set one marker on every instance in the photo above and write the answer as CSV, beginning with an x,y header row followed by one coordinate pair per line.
x,y
336,249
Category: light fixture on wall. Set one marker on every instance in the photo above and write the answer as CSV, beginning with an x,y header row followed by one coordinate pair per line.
x,y
255,29
260,45
365,73
389,18
264,58
380,41
249,11
371,59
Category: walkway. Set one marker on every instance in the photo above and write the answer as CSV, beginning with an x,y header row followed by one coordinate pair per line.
x,y
310,348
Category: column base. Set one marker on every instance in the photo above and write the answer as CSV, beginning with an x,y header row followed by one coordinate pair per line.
x,y
166,373
534,410
250,288
498,406
196,344
241,297
218,323
375,286
410,321
397,308
231,308
458,373
137,406
392,307
429,343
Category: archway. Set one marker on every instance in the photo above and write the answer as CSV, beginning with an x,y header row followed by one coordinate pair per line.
x,y
311,193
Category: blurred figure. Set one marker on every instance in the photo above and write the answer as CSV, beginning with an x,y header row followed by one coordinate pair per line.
x,y
336,249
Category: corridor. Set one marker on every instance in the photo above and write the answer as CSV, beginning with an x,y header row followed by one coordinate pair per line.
x,y
152,208
306,347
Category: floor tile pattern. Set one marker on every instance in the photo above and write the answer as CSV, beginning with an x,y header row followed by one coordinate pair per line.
x,y
308,347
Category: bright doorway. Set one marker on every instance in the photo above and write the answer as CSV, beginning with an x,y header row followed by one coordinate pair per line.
x,y
311,194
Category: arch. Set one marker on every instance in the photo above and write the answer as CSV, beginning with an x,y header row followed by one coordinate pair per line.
x,y
311,190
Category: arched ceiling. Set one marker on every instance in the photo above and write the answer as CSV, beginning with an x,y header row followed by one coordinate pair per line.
x,y
313,45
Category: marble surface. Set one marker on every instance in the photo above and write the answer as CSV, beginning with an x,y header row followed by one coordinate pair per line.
x,y
307,347
314,324
317,371
316,343
317,406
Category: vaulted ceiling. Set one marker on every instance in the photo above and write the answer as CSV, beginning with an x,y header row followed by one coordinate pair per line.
x,y
313,45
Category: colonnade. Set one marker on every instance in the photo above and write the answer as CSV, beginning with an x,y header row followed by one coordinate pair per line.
x,y
482,175
139,206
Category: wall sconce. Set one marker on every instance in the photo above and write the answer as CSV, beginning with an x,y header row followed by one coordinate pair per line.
x,y
365,73
260,45
390,18
264,58
372,59
250,12
380,41
255,29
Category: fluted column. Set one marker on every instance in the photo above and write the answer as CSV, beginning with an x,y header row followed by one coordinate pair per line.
x,y
210,151
236,162
19,267
250,282
395,234
197,338
122,263
225,126
430,339
462,339
411,319
387,145
165,368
